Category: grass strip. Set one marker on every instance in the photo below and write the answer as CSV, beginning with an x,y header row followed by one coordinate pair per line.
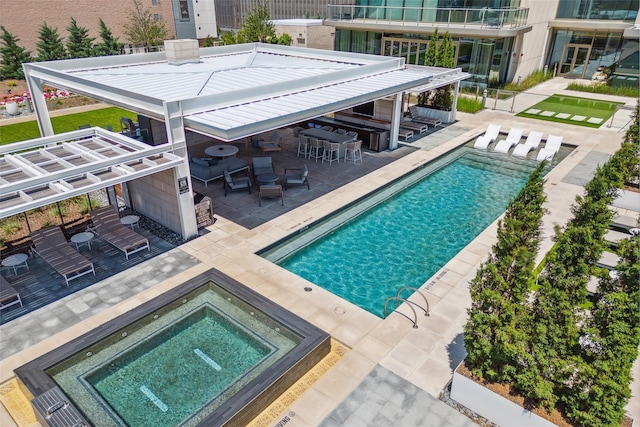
x,y
103,117
573,106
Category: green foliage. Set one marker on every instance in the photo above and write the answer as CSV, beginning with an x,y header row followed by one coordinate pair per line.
x,y
12,56
49,46
229,38
109,45
446,52
631,91
209,41
529,81
142,29
79,44
469,105
258,26
66,123
439,56
494,337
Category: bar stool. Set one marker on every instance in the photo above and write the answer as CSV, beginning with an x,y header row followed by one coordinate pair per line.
x,y
315,148
303,146
353,151
329,149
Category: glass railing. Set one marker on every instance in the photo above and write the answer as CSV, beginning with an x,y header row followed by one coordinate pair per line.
x,y
485,17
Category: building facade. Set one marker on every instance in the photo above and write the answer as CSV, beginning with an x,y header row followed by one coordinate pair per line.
x,y
496,40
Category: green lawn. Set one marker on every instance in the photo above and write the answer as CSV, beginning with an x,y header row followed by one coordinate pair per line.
x,y
29,130
570,109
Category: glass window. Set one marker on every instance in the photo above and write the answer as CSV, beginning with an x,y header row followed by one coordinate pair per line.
x,y
619,10
184,10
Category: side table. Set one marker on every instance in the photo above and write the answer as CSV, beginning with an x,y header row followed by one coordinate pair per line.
x,y
130,220
82,239
16,261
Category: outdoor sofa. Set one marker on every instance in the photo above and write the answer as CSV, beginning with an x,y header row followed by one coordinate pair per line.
x,y
8,295
206,169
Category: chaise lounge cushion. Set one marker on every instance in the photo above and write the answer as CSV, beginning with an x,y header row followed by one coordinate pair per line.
x,y
206,170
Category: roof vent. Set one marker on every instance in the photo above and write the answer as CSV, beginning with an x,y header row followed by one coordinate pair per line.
x,y
184,51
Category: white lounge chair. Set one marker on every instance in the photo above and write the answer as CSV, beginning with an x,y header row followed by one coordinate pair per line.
x,y
532,142
512,139
550,148
489,136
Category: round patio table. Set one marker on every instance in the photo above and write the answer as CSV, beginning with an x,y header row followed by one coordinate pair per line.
x,y
16,261
221,150
82,239
130,220
267,178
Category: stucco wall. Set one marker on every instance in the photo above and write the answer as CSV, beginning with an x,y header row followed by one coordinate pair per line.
x,y
307,33
155,197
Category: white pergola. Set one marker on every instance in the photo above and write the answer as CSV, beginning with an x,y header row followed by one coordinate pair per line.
x,y
231,92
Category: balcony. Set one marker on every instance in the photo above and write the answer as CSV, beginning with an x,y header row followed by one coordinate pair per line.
x,y
441,17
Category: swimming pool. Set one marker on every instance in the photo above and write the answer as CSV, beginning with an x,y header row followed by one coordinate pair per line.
x,y
403,234
215,353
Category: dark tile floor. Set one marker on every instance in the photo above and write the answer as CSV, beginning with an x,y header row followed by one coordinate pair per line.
x,y
242,207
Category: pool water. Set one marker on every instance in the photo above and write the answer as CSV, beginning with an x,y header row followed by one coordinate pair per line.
x,y
409,231
176,366
204,353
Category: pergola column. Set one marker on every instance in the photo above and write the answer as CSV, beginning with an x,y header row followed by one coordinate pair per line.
x,y
182,183
39,103
396,117
456,92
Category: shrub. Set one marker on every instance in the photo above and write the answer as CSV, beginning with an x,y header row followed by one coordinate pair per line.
x,y
530,81
469,105
631,91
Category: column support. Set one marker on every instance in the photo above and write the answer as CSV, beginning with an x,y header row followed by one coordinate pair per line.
x,y
396,117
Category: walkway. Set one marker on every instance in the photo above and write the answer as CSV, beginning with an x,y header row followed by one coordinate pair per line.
x,y
383,353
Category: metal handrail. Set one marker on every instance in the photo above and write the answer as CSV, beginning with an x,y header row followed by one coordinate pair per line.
x,y
396,298
426,311
484,17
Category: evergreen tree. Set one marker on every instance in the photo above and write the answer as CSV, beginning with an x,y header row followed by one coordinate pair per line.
x,y
446,52
109,45
12,56
79,44
50,46
143,29
493,336
258,26
430,57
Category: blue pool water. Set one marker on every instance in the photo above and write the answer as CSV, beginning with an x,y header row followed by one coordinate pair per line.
x,y
414,228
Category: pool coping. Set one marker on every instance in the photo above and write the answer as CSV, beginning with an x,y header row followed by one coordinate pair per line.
x,y
314,345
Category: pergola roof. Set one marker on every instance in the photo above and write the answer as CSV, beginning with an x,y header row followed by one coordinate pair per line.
x,y
41,171
240,90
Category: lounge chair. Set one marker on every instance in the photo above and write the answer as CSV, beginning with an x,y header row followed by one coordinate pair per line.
x,y
415,126
236,184
614,237
8,295
275,144
550,148
270,192
107,225
532,142
297,177
489,136
51,245
608,260
261,165
416,117
512,139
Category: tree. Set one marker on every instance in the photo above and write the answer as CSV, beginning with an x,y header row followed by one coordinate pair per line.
x,y
143,29
439,56
50,46
432,49
493,337
12,56
79,44
258,26
109,45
